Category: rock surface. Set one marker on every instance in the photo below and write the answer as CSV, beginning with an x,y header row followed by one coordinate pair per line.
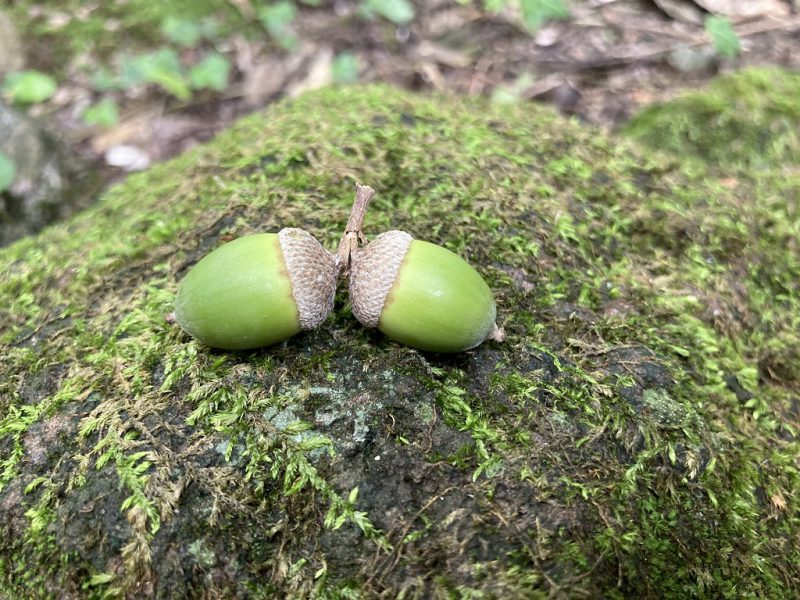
x,y
635,435
40,193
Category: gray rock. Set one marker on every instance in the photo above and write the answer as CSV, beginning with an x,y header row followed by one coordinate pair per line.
x,y
37,196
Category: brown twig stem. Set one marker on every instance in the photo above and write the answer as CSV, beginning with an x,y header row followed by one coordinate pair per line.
x,y
353,235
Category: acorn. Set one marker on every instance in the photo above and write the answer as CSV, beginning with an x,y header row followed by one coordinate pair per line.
x,y
421,295
417,293
258,290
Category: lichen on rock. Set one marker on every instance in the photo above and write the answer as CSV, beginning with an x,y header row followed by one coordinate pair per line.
x,y
634,435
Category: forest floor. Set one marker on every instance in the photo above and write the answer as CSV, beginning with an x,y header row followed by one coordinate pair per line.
x,y
125,71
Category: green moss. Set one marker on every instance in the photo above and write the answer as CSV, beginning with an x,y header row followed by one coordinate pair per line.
x,y
745,121
635,435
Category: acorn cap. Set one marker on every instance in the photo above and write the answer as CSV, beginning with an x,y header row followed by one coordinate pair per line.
x,y
312,271
373,272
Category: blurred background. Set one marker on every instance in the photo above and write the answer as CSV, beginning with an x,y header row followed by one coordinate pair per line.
x,y
92,90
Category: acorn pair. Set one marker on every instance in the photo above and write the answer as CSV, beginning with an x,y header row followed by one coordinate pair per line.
x,y
264,288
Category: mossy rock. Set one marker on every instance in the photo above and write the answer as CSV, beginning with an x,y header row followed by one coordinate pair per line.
x,y
635,434
748,121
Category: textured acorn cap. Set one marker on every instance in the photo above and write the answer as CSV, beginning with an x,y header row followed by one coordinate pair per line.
x,y
373,272
312,272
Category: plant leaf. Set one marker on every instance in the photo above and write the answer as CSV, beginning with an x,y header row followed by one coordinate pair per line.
x,y
183,32
277,20
345,68
8,171
164,69
536,12
105,113
723,36
212,72
399,12
29,87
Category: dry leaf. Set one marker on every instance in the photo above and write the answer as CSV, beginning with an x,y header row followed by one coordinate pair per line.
x,y
443,55
318,74
778,501
681,10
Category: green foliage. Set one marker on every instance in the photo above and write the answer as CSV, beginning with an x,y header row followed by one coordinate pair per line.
x,y
8,171
212,73
105,113
345,68
161,67
29,87
723,36
537,12
104,80
277,19
399,12
188,32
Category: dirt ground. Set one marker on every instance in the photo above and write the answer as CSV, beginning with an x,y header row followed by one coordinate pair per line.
x,y
601,64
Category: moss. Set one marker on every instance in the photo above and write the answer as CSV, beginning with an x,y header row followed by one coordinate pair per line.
x,y
635,435
749,120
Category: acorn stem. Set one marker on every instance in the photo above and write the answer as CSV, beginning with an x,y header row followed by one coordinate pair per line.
x,y
353,235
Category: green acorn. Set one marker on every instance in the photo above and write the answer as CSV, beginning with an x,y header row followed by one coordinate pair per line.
x,y
421,294
258,290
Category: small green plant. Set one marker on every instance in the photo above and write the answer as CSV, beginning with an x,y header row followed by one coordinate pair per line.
x,y
187,32
345,68
8,171
105,113
723,36
211,73
29,87
535,13
163,68
277,20
399,12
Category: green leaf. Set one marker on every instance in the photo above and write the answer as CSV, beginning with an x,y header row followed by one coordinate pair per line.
x,y
212,72
345,68
8,171
277,20
105,113
724,38
536,12
396,11
164,69
104,80
132,73
494,5
183,32
29,87
101,579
